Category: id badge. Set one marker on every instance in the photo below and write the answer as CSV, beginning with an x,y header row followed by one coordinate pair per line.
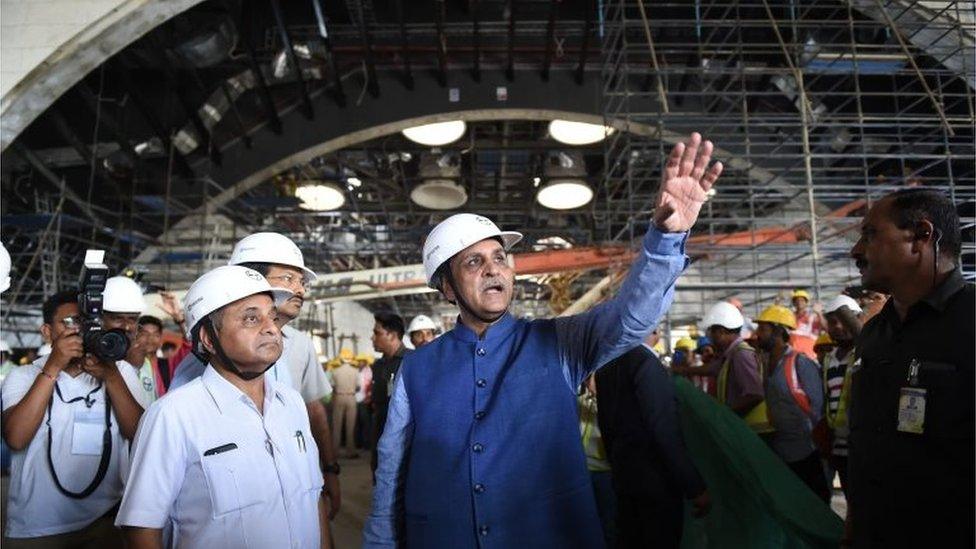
x,y
87,431
911,410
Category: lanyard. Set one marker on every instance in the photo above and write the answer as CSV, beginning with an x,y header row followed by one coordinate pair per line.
x,y
106,442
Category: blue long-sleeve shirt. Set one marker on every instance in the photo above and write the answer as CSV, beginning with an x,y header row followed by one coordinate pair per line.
x,y
481,443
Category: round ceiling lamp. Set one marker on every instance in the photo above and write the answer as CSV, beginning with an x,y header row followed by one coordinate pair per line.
x,y
320,196
439,194
564,194
435,135
578,133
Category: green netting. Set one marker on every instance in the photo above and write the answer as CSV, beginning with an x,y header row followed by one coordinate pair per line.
x,y
757,501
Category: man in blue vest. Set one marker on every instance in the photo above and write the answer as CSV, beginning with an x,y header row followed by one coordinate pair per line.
x,y
481,444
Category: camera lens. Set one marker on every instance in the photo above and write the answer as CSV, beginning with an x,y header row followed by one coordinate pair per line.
x,y
111,345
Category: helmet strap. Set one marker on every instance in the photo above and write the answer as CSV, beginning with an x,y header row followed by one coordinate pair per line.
x,y
225,360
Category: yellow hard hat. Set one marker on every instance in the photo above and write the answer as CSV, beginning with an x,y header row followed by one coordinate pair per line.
x,y
685,344
346,354
801,293
777,314
823,339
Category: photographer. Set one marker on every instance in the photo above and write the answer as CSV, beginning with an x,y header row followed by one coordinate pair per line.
x,y
122,308
65,479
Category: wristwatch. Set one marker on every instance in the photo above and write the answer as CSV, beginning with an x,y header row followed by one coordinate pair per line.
x,y
332,468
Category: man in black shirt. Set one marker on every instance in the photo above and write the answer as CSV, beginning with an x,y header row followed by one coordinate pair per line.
x,y
911,454
387,339
637,411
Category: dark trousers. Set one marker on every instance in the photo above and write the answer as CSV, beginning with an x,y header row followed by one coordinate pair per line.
x,y
649,520
811,472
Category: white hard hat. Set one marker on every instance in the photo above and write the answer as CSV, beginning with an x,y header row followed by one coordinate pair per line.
x,y
44,350
723,314
4,346
222,286
4,268
123,295
457,233
842,301
269,248
421,322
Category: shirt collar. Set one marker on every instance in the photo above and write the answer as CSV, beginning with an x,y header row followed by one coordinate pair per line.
x,y
939,297
225,394
497,331
731,349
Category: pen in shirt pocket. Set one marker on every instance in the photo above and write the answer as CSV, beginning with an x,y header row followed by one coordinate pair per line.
x,y
300,439
220,449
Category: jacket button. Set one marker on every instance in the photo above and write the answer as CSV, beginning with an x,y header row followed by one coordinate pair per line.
x,y
479,488
479,415
482,383
483,530
482,352
478,448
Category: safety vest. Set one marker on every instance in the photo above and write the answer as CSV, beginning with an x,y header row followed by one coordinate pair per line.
x,y
838,418
758,418
793,383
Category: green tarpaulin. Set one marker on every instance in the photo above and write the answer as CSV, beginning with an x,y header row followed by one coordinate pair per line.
x,y
756,500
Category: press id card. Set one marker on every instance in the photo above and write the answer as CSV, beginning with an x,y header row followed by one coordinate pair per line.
x,y
911,410
87,431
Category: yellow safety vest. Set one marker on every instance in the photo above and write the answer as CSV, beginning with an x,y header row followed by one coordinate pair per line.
x,y
838,418
758,418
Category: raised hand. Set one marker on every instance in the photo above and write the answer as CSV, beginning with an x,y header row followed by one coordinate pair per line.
x,y
684,185
171,306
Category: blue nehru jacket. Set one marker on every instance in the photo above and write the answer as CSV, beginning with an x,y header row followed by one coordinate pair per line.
x,y
481,446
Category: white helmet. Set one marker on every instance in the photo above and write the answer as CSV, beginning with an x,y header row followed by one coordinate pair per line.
x,y
269,248
421,322
222,286
842,301
457,233
123,295
4,268
4,346
44,350
723,314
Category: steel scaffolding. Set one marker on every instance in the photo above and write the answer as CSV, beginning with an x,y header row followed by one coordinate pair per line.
x,y
816,109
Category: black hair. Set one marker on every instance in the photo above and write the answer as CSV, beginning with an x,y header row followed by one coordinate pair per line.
x,y
390,322
912,205
148,319
261,268
168,345
52,303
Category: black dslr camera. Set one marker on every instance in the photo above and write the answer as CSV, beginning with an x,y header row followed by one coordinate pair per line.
x,y
108,345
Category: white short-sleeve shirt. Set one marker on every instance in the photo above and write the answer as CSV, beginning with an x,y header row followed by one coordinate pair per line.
x,y
307,375
222,474
35,506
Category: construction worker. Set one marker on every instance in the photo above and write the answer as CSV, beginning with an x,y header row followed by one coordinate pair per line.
x,y
823,345
123,304
843,325
228,460
280,261
345,378
422,330
736,367
596,459
66,417
481,444
364,401
911,450
809,323
794,398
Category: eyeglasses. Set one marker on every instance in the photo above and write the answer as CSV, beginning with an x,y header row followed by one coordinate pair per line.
x,y
292,280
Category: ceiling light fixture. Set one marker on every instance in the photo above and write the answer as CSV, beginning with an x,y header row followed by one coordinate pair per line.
x,y
437,134
578,133
439,194
564,194
320,196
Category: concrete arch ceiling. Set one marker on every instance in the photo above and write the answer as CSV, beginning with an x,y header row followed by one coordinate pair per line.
x,y
332,128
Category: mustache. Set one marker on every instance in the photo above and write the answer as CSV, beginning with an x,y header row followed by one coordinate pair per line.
x,y
493,282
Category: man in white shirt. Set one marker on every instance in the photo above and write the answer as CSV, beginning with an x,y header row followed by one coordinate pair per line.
x,y
65,477
229,459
